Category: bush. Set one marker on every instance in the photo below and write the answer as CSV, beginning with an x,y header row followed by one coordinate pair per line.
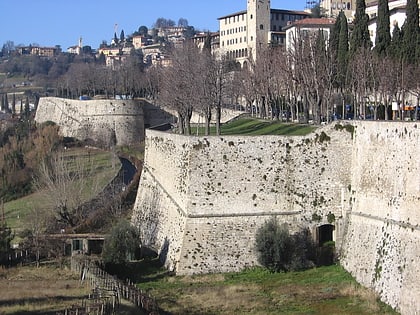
x,y
280,251
121,244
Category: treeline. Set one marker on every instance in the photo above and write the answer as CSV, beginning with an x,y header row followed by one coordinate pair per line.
x,y
318,78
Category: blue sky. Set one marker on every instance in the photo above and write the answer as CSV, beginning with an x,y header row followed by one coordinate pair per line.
x,y
60,22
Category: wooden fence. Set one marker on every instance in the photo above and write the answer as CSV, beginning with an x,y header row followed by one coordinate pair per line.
x,y
107,292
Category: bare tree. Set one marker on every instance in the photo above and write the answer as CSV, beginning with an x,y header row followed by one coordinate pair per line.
x,y
180,83
312,73
66,181
37,223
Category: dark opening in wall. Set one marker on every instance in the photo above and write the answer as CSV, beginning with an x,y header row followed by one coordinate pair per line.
x,y
325,233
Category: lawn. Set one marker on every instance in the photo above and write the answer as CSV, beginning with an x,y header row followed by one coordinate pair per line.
x,y
324,290
259,127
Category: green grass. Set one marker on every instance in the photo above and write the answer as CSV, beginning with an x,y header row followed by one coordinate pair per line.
x,y
259,127
324,290
100,162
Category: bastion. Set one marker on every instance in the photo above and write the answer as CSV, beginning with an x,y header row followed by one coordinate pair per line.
x,y
202,199
106,121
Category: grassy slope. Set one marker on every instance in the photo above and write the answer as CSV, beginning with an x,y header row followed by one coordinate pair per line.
x,y
252,126
101,161
325,290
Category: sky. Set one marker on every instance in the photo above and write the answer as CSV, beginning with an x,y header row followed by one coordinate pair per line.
x,y
59,22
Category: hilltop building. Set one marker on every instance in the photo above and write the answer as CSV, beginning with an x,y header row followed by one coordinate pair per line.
x,y
243,33
38,51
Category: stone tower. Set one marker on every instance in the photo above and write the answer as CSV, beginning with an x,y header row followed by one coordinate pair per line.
x,y
258,14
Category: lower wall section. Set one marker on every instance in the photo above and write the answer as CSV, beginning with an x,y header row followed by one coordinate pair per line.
x,y
160,220
221,244
387,260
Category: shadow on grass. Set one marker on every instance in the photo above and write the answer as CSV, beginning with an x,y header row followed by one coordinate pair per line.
x,y
146,270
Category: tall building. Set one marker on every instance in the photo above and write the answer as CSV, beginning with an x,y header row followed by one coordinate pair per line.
x,y
242,34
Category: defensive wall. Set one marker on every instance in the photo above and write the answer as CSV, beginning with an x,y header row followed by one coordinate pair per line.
x,y
202,199
110,119
101,120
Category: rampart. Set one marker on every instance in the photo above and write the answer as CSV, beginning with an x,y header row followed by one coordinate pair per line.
x,y
201,199
101,120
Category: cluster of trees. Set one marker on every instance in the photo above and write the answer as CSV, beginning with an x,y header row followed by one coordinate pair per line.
x,y
318,79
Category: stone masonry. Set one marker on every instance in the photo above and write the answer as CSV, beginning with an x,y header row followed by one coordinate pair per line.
x,y
100,120
202,199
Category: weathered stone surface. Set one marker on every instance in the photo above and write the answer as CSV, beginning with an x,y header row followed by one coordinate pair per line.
x,y
100,120
202,199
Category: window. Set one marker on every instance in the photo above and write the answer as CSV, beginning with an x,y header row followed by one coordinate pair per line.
x,y
252,38
277,16
261,26
250,16
282,17
348,6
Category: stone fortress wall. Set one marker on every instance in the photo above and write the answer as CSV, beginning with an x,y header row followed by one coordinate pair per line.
x,y
100,120
202,199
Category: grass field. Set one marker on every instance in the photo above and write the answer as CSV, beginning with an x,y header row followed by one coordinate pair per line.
x,y
326,290
258,127
100,161
29,290
46,290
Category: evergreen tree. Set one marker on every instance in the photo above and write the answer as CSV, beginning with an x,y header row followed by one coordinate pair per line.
x,y
14,104
360,37
411,34
334,37
383,33
6,103
207,43
122,36
343,49
396,42
6,237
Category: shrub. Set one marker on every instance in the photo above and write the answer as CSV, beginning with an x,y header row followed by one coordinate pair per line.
x,y
280,251
121,244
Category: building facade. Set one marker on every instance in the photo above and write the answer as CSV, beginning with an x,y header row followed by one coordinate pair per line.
x,y
244,33
301,29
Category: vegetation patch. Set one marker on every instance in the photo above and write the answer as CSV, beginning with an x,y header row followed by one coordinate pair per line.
x,y
323,290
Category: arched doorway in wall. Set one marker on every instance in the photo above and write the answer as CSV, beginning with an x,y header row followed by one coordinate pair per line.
x,y
324,234
326,247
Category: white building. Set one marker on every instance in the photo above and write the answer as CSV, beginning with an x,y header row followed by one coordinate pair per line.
x,y
301,29
242,34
